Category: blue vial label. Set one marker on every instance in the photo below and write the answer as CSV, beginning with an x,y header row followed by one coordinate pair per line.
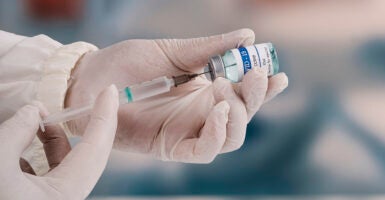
x,y
245,59
238,62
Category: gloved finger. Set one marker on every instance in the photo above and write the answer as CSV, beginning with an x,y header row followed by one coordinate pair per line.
x,y
192,54
18,132
26,167
253,90
81,168
212,137
236,126
55,142
277,84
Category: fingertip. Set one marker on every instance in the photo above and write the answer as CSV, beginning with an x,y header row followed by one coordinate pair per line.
x,y
110,91
113,89
114,94
283,80
277,84
244,37
107,99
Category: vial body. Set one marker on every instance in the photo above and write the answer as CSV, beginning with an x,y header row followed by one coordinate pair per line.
x,y
235,63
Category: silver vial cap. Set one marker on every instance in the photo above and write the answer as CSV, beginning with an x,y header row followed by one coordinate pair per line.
x,y
215,67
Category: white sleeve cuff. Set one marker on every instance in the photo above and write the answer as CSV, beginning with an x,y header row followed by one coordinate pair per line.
x,y
57,71
52,88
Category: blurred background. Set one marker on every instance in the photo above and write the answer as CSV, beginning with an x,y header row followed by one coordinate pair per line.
x,y
324,135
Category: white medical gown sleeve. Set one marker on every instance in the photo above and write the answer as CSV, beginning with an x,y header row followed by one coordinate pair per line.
x,y
35,68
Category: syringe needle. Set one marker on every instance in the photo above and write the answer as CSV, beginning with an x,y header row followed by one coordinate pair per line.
x,y
184,78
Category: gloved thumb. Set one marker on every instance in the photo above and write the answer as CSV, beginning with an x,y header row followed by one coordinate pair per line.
x,y
192,54
18,132
82,167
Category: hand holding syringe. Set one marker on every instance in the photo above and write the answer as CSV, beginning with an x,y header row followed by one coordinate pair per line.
x,y
127,95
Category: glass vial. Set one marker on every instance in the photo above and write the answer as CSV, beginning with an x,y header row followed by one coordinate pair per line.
x,y
235,63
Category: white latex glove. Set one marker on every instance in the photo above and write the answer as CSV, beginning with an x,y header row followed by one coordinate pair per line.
x,y
80,169
192,123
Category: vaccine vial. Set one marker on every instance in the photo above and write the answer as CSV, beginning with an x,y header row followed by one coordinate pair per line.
x,y
235,63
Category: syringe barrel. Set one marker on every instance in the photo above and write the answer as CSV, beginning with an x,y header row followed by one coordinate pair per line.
x,y
67,115
129,94
148,89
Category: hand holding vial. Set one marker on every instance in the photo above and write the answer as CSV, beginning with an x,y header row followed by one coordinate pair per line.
x,y
193,122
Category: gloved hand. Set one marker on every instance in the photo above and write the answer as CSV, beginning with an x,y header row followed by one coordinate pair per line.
x,y
80,169
192,123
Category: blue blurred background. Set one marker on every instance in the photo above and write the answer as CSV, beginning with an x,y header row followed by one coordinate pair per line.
x,y
324,135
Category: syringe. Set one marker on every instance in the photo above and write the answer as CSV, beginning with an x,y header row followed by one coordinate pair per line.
x,y
127,95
